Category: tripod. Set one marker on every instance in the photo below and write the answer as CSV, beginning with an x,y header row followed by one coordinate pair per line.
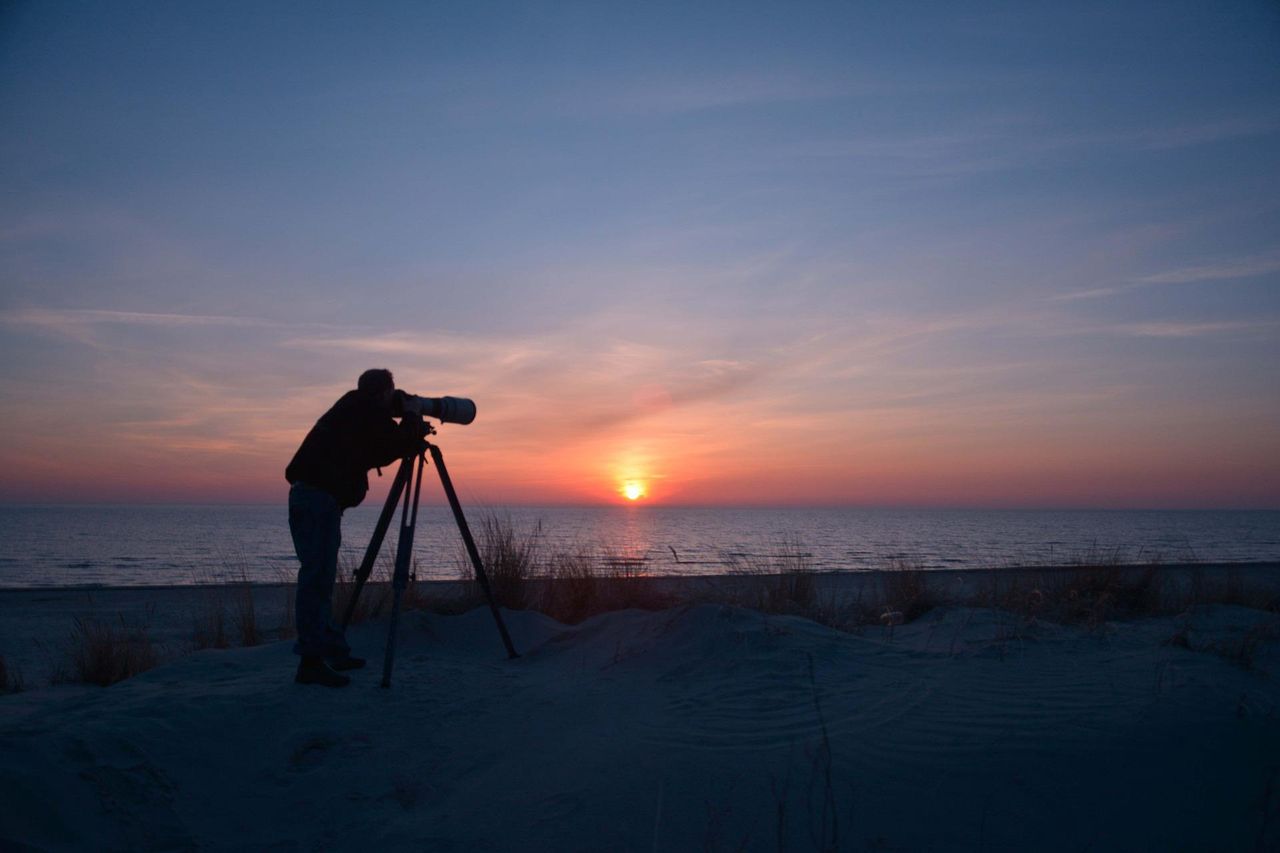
x,y
404,547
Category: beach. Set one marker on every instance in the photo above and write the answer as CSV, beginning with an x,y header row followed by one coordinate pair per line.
x,y
698,726
858,427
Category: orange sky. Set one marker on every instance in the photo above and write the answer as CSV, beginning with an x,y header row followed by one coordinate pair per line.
x,y
553,428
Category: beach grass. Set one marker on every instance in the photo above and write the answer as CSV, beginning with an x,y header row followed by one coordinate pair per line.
x,y
567,584
103,651
783,579
244,613
511,559
227,611
575,584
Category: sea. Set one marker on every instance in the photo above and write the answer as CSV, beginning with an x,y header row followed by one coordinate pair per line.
x,y
126,546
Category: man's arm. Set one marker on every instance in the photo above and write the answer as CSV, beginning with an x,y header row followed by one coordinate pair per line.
x,y
389,441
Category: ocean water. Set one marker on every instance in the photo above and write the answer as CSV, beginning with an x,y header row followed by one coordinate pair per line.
x,y
45,546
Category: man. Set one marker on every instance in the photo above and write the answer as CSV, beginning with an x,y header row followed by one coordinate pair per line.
x,y
327,475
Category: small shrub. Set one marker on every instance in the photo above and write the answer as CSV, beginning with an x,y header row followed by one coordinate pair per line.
x,y
104,651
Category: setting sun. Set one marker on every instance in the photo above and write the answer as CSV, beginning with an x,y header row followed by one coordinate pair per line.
x,y
633,490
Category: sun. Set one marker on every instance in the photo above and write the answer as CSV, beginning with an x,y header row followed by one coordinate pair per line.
x,y
633,490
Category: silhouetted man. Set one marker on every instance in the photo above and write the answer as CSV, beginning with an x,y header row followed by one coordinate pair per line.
x,y
329,474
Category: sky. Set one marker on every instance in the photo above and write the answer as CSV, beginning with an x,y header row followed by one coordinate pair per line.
x,y
871,254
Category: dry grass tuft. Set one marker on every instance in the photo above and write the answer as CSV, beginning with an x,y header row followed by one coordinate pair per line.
x,y
619,563
1088,594
244,612
378,594
784,580
1095,594
572,587
567,585
628,592
104,651
375,598
904,593
209,622
510,558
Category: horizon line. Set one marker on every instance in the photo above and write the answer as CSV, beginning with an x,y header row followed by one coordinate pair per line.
x,y
481,506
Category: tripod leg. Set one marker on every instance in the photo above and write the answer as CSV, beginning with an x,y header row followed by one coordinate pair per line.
x,y
472,551
400,580
379,533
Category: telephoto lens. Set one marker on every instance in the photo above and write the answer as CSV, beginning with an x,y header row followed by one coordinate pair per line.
x,y
449,410
453,410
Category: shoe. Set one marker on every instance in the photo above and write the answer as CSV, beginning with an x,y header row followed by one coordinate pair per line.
x,y
316,671
345,662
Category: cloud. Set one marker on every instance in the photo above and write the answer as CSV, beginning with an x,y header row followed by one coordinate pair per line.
x,y
1246,268
1091,293
1171,329
64,319
1227,270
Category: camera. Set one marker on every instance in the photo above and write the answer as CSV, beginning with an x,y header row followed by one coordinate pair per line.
x,y
449,410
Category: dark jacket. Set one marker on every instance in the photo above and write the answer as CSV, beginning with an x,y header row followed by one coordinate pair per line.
x,y
349,439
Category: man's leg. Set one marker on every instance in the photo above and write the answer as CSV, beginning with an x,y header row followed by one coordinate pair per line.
x,y
315,521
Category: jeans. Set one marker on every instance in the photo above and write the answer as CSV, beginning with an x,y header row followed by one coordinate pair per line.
x,y
315,521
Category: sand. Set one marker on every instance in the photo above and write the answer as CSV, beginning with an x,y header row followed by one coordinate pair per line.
x,y
701,727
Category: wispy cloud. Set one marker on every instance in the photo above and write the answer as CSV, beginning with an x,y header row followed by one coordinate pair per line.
x,y
1091,293
1225,270
1172,329
1245,268
56,319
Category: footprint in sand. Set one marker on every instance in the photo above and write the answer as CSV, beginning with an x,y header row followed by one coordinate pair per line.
x,y
311,752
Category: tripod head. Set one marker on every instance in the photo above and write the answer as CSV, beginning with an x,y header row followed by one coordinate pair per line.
x,y
421,428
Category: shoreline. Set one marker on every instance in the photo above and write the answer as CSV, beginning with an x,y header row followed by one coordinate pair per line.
x,y
974,571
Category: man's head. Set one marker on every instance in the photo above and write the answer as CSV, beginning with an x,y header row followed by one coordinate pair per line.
x,y
377,383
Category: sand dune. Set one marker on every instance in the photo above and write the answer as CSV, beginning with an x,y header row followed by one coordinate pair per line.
x,y
696,728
